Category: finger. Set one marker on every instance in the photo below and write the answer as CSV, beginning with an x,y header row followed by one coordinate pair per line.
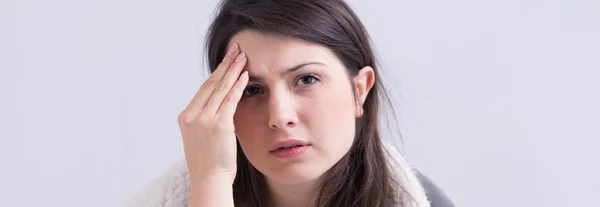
x,y
225,86
227,109
201,97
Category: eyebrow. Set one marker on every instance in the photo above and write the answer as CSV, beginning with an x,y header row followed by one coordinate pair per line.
x,y
287,71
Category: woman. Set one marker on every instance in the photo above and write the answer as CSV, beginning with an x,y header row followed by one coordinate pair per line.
x,y
288,116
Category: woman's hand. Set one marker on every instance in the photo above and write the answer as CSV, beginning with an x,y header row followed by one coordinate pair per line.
x,y
207,123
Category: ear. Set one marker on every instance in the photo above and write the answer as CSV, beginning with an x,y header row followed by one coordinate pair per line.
x,y
363,82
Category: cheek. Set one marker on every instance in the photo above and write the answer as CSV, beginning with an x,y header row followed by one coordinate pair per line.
x,y
245,127
245,119
331,115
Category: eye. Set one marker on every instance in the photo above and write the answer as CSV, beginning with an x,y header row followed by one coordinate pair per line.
x,y
251,91
307,80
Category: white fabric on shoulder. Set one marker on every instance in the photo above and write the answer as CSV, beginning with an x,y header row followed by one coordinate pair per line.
x,y
171,189
407,178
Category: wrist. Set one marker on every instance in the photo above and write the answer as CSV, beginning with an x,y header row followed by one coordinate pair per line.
x,y
214,190
211,179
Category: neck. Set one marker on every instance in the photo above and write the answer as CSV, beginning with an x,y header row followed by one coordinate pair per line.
x,y
293,195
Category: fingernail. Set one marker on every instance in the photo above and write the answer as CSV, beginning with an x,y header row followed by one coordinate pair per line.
x,y
240,56
244,75
231,50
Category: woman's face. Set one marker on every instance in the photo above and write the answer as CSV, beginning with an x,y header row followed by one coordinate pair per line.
x,y
297,91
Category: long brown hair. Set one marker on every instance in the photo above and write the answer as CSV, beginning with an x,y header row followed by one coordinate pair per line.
x,y
363,177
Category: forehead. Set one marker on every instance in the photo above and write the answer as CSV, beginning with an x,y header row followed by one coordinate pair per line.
x,y
271,51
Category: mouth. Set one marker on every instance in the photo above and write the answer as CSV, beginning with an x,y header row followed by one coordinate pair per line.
x,y
289,148
289,144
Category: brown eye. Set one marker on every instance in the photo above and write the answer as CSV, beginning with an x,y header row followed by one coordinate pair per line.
x,y
307,80
251,91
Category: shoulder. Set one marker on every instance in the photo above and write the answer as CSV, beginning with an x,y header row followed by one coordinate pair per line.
x,y
435,195
171,189
412,194
418,186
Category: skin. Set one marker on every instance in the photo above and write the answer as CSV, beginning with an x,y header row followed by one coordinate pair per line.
x,y
314,103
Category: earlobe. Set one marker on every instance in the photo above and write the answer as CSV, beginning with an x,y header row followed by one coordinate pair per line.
x,y
363,83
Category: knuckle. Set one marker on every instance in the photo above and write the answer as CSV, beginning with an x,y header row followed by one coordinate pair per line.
x,y
185,118
230,98
205,120
220,126
216,127
223,87
214,83
209,84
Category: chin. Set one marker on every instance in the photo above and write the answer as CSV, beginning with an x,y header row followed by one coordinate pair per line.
x,y
294,174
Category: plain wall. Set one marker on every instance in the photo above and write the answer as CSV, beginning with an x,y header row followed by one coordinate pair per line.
x,y
498,101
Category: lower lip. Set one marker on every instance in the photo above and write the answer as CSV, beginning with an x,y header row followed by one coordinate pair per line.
x,y
289,153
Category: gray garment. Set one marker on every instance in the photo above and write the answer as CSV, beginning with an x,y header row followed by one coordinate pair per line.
x,y
435,195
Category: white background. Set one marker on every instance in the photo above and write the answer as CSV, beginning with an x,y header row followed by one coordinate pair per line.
x,y
498,100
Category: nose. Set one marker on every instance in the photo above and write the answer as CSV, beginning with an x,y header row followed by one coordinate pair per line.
x,y
282,111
